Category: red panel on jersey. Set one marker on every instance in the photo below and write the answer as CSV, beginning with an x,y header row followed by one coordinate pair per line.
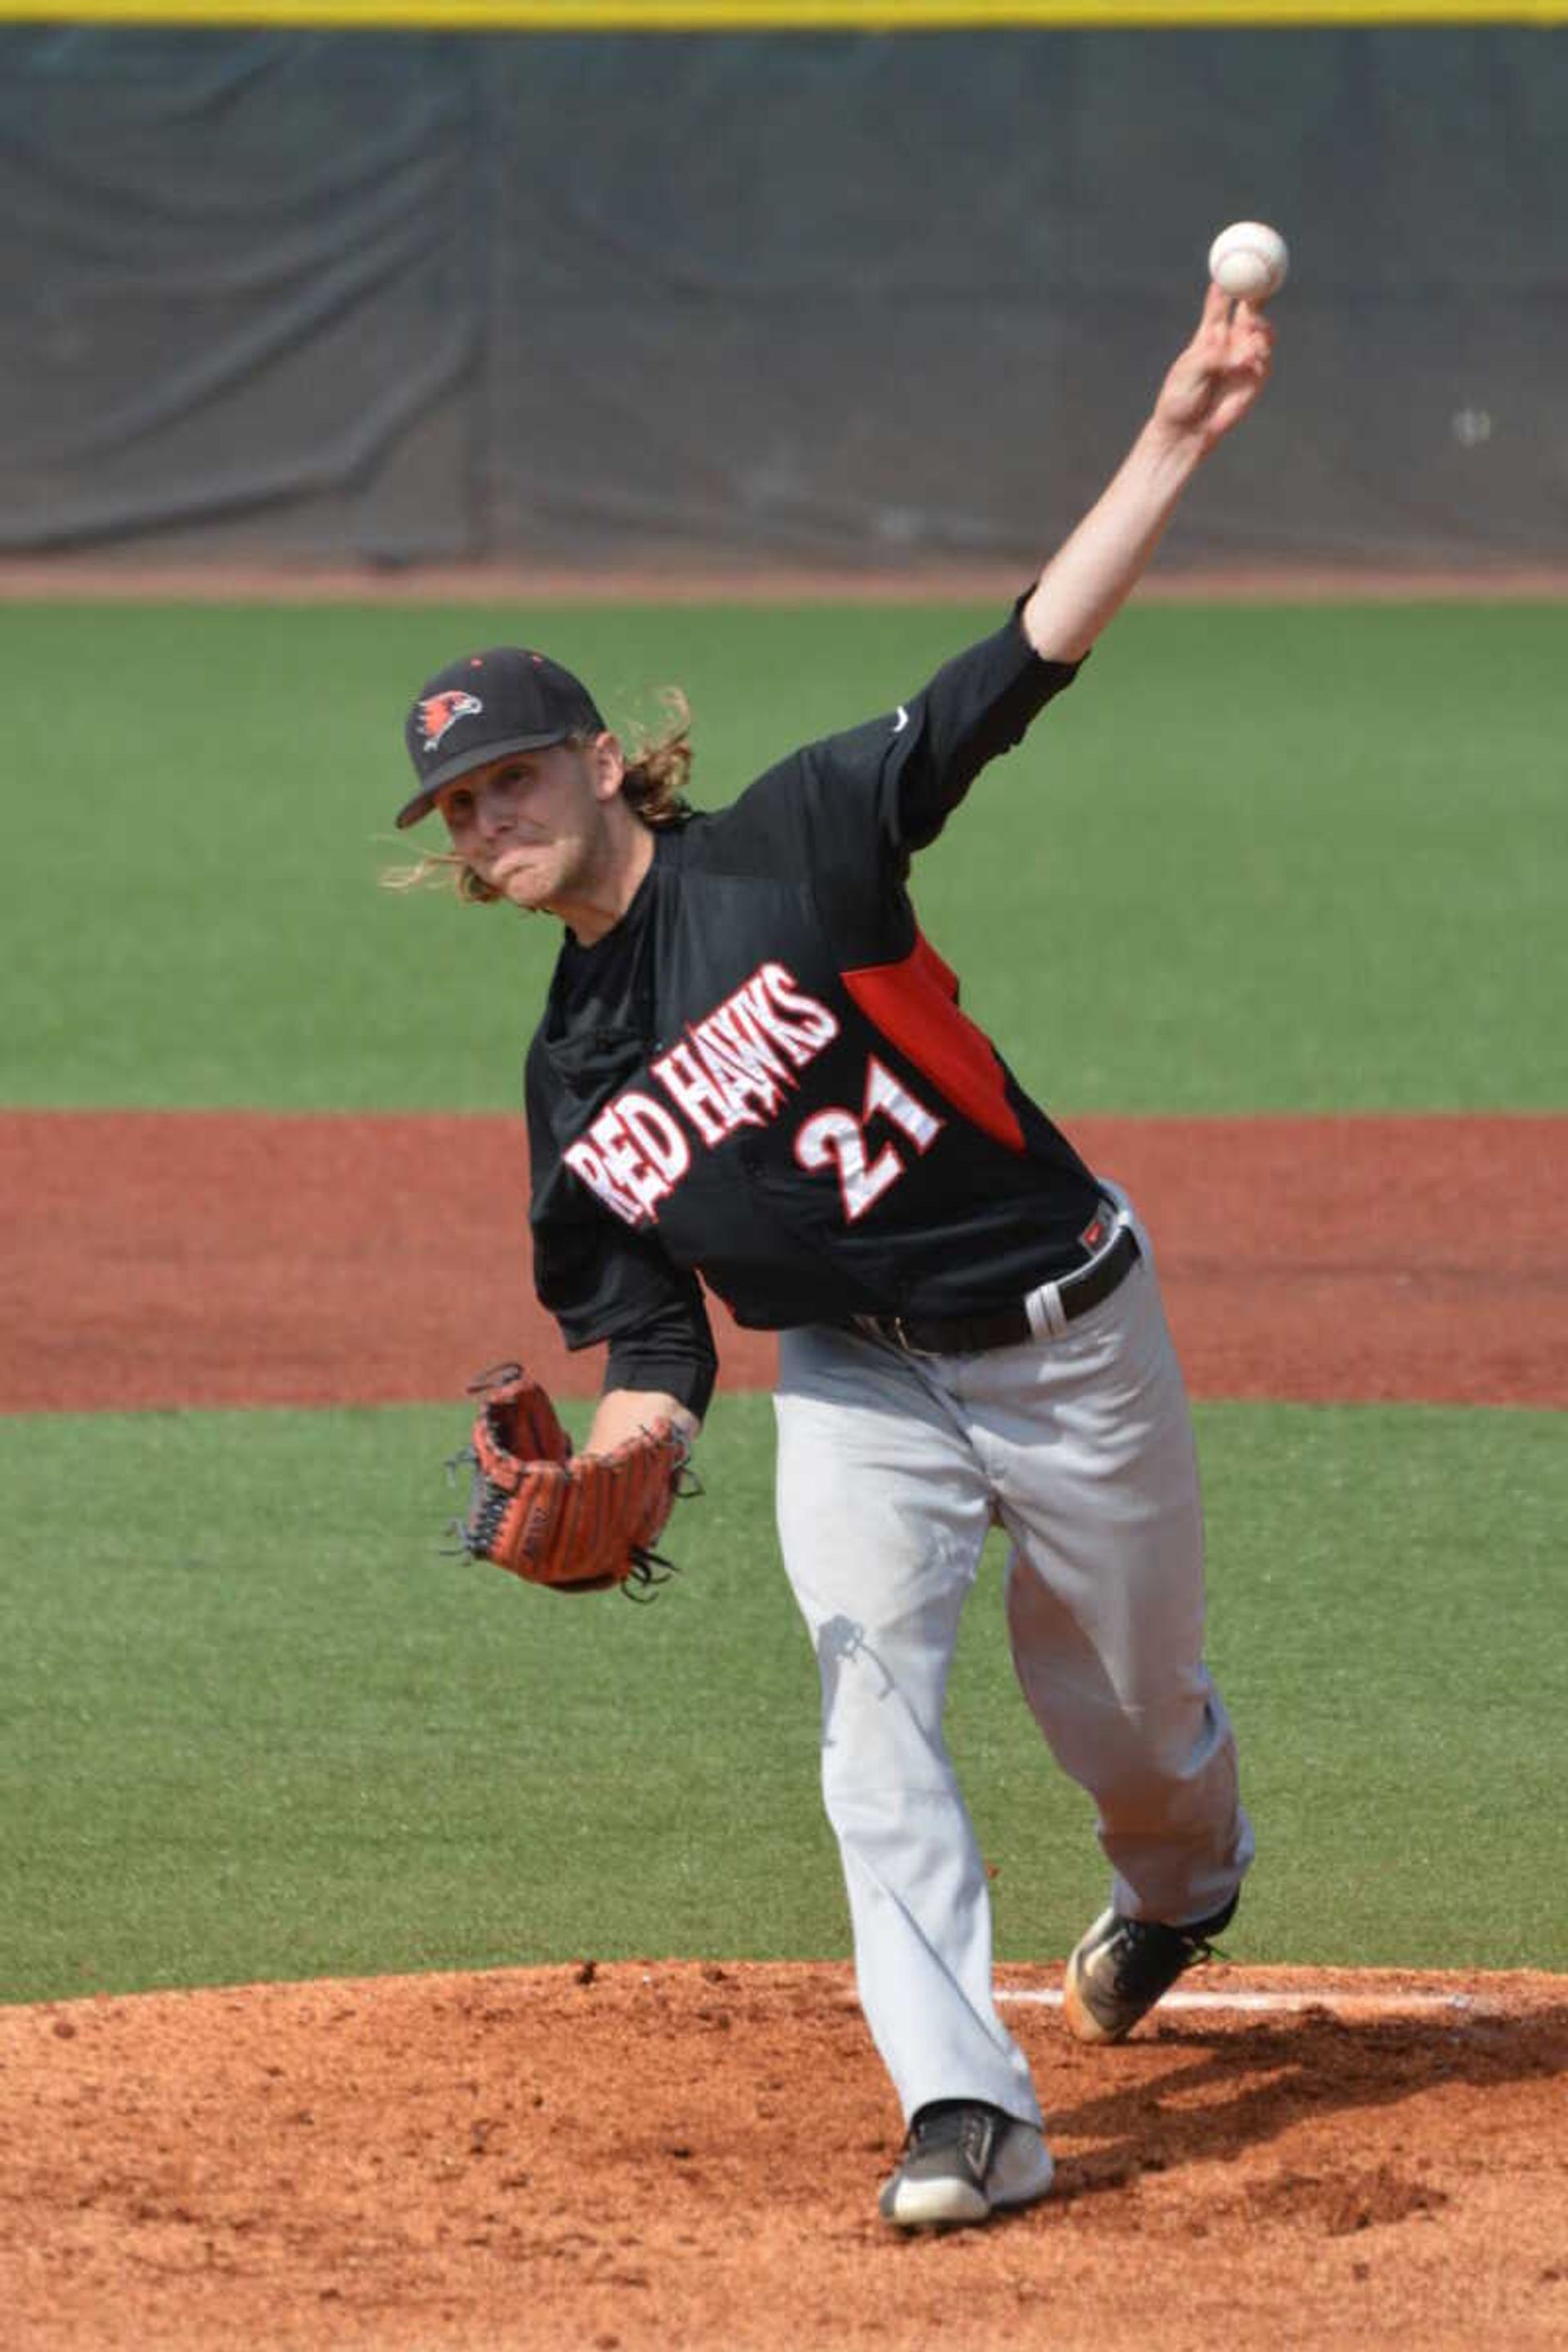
x,y
914,1002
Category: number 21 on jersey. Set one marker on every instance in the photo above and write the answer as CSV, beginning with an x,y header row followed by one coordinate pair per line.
x,y
837,1139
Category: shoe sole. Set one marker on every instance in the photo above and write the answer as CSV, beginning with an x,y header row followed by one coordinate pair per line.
x,y
1081,2019
955,2205
935,2205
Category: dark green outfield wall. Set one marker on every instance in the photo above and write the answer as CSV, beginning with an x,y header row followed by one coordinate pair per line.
x,y
841,298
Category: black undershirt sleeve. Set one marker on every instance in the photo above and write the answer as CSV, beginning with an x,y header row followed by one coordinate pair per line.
x,y
604,1284
857,805
672,1353
978,706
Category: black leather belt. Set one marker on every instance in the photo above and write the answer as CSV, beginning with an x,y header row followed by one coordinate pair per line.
x,y
1005,1327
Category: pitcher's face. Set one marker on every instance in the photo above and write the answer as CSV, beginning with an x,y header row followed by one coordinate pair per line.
x,y
533,825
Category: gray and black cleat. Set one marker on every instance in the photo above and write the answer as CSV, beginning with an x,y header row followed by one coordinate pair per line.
x,y
1123,1967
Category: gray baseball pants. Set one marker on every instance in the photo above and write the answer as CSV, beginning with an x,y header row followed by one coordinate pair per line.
x,y
892,1468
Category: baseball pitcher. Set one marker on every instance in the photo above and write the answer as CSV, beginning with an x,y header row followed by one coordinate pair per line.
x,y
753,1074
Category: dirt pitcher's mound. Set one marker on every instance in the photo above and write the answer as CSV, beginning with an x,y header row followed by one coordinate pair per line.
x,y
643,2156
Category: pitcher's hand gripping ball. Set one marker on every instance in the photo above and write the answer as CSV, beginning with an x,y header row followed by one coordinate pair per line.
x,y
577,1524
1250,259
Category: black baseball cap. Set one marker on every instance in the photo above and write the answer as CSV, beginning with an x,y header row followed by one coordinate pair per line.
x,y
482,706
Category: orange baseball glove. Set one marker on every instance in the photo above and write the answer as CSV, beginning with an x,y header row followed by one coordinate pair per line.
x,y
578,1524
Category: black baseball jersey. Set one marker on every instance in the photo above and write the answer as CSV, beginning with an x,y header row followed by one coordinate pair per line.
x,y
761,1075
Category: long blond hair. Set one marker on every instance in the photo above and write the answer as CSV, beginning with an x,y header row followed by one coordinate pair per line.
x,y
653,787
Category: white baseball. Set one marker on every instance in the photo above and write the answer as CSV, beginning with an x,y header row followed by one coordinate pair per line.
x,y
1250,259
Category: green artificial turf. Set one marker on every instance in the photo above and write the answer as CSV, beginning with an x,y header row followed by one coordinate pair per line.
x,y
252,1726
1258,858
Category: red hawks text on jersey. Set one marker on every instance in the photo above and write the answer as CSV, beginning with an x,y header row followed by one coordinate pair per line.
x,y
734,1068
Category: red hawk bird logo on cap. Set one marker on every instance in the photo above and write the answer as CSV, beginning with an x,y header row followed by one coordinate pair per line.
x,y
438,712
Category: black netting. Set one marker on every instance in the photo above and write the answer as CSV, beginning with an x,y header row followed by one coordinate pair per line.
x,y
840,299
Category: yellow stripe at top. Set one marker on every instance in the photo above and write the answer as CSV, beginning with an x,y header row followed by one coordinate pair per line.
x,y
756,16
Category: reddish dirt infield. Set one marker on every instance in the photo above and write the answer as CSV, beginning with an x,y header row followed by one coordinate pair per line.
x,y
180,1258
653,2156
644,2156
